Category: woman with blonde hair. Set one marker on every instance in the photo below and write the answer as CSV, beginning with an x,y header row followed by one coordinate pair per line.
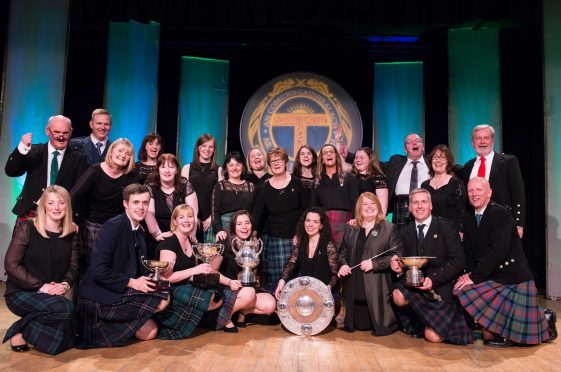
x,y
370,283
258,171
98,193
42,265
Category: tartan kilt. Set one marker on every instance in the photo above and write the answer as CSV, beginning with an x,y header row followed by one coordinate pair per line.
x,y
509,310
218,318
89,234
208,235
47,322
184,312
225,220
104,325
276,252
337,222
444,317
401,214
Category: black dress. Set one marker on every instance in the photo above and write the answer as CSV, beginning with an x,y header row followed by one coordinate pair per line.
x,y
144,171
371,182
448,201
228,197
204,179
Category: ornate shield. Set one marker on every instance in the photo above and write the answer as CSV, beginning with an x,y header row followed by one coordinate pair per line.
x,y
306,306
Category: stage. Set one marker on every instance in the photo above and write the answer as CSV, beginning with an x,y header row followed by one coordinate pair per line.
x,y
261,347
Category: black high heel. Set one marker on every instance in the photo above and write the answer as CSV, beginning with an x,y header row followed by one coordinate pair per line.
x,y
20,348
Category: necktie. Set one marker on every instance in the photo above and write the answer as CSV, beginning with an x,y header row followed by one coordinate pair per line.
x,y
98,145
420,239
54,167
478,218
414,176
481,170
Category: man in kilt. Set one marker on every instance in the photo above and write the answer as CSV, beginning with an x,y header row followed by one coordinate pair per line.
x,y
116,300
431,311
499,291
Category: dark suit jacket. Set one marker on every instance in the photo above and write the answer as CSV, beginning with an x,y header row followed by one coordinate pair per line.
x,y
507,184
113,262
443,242
35,164
493,249
392,169
85,145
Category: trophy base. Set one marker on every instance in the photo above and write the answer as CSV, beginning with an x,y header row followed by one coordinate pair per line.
x,y
161,285
249,284
206,281
414,285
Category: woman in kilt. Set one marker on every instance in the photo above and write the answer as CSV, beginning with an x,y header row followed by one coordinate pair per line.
x,y
231,194
203,173
334,191
188,302
168,190
241,227
277,207
42,263
97,195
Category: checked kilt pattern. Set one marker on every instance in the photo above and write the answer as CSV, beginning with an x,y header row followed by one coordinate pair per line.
x,y
115,324
337,222
444,317
47,322
276,252
184,312
509,310
401,214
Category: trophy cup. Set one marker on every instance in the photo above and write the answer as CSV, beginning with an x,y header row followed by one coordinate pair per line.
x,y
157,268
247,256
206,252
414,276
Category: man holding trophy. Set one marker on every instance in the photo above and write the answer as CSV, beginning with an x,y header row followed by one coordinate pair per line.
x,y
117,299
426,306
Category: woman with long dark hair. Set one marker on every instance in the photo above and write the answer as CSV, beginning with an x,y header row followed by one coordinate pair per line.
x,y
148,153
305,165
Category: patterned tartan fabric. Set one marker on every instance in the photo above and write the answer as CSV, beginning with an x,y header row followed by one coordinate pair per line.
x,y
444,317
511,311
208,235
47,321
225,220
401,214
276,252
225,311
184,312
114,325
89,233
337,221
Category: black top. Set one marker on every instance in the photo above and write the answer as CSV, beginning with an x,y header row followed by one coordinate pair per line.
x,y
32,260
256,181
203,180
228,267
371,182
101,193
228,197
281,208
331,195
448,201
360,289
182,261
308,182
164,204
322,266
144,170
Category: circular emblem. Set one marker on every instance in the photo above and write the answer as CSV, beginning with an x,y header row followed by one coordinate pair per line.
x,y
305,306
297,109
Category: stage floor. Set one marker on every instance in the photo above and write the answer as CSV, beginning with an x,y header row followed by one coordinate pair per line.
x,y
270,348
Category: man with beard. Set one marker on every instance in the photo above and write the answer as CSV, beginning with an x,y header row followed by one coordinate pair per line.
x,y
95,145
51,163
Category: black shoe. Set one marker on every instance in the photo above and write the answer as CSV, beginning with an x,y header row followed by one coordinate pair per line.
x,y
274,319
551,318
233,329
413,332
240,324
498,341
20,348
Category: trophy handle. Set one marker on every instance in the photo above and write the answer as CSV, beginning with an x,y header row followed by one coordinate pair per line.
x,y
144,263
221,249
233,245
260,246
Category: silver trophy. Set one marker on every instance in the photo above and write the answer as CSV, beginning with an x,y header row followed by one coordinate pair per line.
x,y
157,268
414,276
207,252
247,256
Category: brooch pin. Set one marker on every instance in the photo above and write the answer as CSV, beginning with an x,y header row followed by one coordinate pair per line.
x,y
435,236
374,233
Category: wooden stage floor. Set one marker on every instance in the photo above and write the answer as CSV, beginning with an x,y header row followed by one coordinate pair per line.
x,y
270,348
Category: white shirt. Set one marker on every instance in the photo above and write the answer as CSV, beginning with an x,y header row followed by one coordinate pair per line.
x,y
95,141
404,180
50,159
488,162
426,223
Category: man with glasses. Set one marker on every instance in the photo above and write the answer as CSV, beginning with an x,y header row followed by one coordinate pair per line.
x,y
95,145
51,163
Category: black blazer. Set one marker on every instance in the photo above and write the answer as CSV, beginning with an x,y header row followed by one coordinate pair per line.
x,y
114,261
392,169
493,249
35,164
443,242
86,146
506,181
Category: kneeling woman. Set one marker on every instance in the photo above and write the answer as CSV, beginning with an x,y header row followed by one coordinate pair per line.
x,y
189,303
369,285
41,263
262,302
315,254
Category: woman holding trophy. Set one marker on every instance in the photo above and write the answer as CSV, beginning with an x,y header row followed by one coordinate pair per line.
x,y
42,263
188,302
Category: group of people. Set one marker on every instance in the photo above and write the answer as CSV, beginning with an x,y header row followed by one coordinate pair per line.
x,y
88,217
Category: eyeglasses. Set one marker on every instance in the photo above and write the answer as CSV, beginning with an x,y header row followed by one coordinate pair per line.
x,y
57,134
439,157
